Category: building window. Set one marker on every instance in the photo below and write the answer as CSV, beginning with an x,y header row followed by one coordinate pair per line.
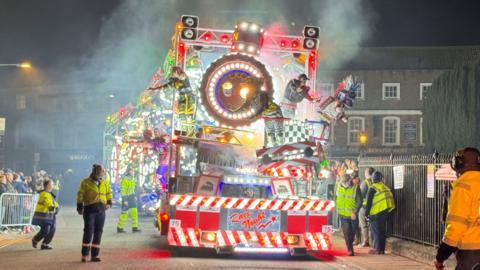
x,y
355,126
424,87
325,89
361,92
391,130
391,91
21,102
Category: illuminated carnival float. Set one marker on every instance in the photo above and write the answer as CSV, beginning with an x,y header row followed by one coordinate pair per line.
x,y
231,136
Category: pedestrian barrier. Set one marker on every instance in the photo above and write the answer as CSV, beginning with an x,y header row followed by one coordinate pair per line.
x,y
420,208
16,209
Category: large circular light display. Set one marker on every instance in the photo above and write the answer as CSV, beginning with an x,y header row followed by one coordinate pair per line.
x,y
234,88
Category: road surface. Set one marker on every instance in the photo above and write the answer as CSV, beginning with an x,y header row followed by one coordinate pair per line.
x,y
138,251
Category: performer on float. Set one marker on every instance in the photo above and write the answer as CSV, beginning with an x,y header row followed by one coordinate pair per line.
x,y
179,80
295,92
273,117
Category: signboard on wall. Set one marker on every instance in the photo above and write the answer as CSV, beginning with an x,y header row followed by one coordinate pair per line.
x,y
398,176
430,181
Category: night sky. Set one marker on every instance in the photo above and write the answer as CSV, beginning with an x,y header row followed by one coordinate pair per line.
x,y
56,32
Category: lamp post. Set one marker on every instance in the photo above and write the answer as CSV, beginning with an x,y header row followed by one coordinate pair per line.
x,y
19,65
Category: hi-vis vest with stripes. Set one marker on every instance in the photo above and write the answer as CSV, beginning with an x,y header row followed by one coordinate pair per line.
x,y
383,199
127,186
345,202
463,219
90,193
45,207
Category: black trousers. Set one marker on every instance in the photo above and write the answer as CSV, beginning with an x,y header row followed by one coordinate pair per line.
x,y
47,231
349,228
93,228
468,260
378,224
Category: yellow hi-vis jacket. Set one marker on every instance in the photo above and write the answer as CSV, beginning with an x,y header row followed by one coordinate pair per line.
x,y
90,193
45,208
383,199
463,219
345,202
127,186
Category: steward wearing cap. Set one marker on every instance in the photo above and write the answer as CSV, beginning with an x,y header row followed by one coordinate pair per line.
x,y
462,231
380,202
348,202
94,196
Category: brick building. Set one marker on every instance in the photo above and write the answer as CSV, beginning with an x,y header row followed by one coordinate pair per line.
x,y
389,107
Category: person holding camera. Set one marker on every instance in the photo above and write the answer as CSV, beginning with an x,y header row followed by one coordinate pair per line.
x,y
462,231
94,197
45,216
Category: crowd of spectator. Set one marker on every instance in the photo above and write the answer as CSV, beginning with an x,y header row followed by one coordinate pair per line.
x,y
17,182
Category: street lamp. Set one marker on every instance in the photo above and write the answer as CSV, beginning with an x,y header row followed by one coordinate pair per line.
x,y
362,139
19,65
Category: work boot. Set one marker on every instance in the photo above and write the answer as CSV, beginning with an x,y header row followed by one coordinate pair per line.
x,y
136,230
120,230
95,259
34,243
46,246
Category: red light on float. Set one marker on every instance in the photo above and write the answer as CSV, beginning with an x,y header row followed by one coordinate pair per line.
x,y
224,38
295,44
207,36
283,43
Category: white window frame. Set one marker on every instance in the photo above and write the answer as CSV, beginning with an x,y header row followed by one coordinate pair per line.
x,y
362,128
397,139
362,91
385,85
319,88
421,88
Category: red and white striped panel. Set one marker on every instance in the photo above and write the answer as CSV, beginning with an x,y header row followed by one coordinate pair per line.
x,y
317,241
264,239
299,162
184,237
277,150
251,204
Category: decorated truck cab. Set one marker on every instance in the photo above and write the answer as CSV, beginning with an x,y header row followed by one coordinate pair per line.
x,y
252,221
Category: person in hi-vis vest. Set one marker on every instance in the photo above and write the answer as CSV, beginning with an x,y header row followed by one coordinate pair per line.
x,y
129,202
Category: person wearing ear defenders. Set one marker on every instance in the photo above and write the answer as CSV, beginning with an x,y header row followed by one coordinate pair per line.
x,y
462,232
94,196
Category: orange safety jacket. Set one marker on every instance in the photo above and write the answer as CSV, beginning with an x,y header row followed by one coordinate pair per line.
x,y
463,219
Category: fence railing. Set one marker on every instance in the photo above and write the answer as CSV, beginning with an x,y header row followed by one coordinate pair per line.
x,y
416,217
16,209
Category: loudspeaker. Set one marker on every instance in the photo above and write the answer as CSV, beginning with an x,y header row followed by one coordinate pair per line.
x,y
310,43
190,27
311,31
190,21
189,33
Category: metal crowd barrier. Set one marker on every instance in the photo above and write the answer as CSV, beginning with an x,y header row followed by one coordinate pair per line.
x,y
16,209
